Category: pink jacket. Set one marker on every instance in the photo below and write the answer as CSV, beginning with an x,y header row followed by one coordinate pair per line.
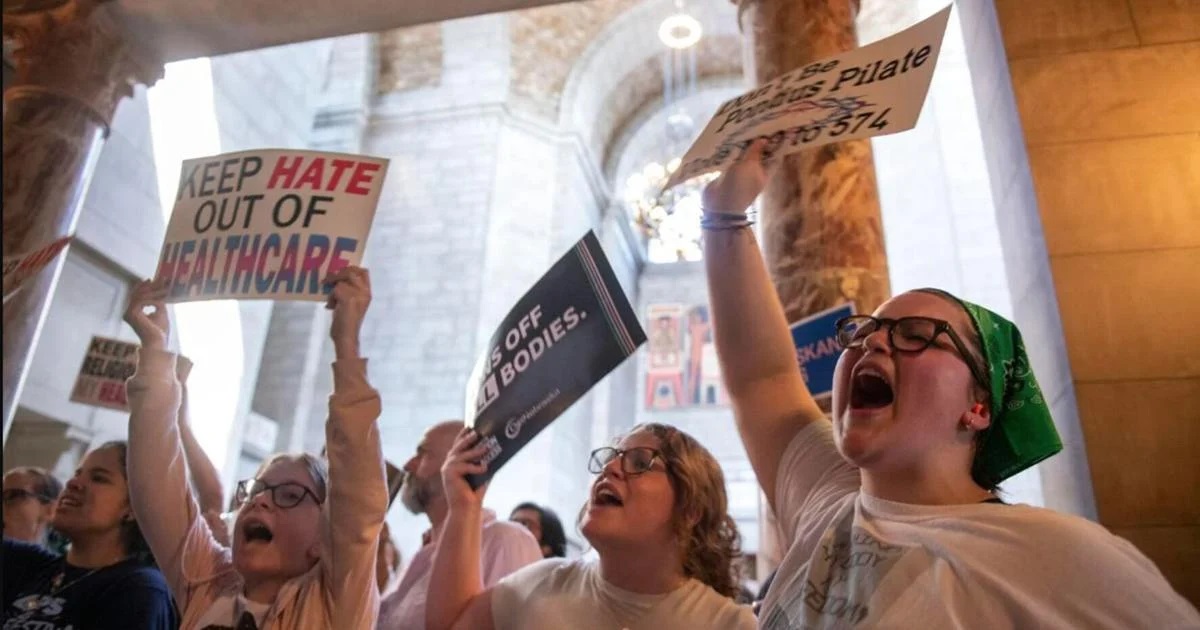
x,y
340,591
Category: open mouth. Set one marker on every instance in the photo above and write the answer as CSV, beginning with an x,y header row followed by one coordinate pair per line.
x,y
69,501
870,390
607,498
255,531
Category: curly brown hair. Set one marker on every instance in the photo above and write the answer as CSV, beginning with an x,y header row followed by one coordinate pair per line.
x,y
708,537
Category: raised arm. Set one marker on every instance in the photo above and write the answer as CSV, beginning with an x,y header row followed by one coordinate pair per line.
x,y
158,486
352,516
771,402
206,482
457,598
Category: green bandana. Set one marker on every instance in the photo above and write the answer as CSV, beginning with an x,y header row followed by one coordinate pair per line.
x,y
1021,433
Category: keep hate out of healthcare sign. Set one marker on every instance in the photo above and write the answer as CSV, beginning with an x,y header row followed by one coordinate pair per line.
x,y
268,224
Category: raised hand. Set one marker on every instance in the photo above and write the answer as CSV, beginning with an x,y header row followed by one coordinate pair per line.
x,y
740,184
462,460
153,328
349,300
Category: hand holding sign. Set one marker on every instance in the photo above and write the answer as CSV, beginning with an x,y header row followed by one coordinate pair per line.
x,y
349,300
740,184
153,328
465,458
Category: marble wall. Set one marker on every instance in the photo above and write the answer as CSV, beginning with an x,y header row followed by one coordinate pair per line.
x,y
1110,108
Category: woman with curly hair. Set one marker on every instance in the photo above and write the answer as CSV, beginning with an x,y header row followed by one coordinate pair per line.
x,y
657,516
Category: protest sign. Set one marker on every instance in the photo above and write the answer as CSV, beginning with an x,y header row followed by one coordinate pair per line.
x,y
564,335
268,224
817,349
21,267
870,91
106,366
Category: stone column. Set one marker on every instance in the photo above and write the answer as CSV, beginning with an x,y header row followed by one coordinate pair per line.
x,y
821,228
822,232
72,71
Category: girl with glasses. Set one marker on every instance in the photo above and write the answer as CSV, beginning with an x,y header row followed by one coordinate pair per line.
x,y
106,579
30,494
304,547
656,515
889,513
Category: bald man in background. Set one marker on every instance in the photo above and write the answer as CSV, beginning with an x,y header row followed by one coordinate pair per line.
x,y
506,546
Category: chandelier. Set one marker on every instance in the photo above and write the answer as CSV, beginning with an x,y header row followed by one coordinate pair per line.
x,y
670,219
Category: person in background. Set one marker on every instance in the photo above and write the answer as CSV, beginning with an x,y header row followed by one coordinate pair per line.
x,y
543,523
762,592
105,581
206,481
387,565
658,518
30,494
306,536
506,547
889,513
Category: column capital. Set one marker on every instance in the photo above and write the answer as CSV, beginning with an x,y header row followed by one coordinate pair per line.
x,y
75,51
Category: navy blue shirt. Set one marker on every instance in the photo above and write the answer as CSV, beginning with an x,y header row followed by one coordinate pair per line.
x,y
128,595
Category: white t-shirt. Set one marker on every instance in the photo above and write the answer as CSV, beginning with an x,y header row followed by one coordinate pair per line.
x,y
227,612
558,593
856,560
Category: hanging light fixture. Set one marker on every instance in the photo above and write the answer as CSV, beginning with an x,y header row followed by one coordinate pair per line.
x,y
671,219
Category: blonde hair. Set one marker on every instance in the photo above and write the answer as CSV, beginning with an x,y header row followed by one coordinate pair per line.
x,y
708,538
317,468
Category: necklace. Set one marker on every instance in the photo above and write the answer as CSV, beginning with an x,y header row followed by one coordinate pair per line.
x,y
57,586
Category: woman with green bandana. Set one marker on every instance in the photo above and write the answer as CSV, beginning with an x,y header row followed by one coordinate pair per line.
x,y
889,513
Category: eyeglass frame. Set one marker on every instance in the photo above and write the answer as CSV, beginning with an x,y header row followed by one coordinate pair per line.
x,y
6,496
244,492
940,326
620,453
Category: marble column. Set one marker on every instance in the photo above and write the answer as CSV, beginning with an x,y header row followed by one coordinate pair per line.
x,y
822,232
73,68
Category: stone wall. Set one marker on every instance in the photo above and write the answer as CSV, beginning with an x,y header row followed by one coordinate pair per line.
x,y
1107,98
119,234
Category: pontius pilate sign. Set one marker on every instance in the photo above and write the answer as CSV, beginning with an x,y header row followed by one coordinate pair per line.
x,y
870,91
268,224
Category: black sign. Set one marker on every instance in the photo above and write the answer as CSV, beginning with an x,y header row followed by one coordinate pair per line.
x,y
569,331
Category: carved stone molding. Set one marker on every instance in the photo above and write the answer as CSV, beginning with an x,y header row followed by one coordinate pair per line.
x,y
74,51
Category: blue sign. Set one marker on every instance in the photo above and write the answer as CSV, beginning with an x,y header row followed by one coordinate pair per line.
x,y
817,349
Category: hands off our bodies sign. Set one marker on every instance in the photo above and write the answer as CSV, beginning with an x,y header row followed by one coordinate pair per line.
x,y
870,91
268,224
570,330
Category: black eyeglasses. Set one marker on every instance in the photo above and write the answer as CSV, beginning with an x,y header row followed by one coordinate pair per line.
x,y
634,461
283,495
15,495
906,334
